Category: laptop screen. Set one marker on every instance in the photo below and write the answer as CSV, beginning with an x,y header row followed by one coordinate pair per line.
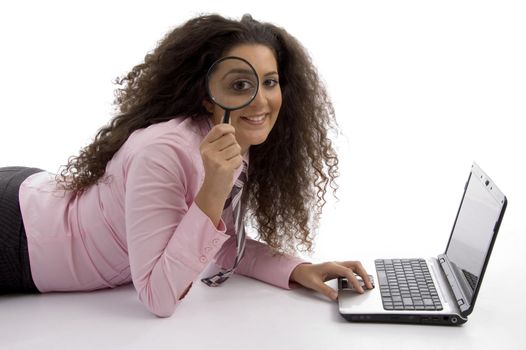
x,y
475,230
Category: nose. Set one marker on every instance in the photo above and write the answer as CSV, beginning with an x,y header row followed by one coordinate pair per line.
x,y
260,99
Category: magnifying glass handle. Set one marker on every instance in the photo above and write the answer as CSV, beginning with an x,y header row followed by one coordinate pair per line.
x,y
226,116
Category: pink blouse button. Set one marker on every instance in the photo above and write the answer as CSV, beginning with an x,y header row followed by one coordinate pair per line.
x,y
215,241
202,259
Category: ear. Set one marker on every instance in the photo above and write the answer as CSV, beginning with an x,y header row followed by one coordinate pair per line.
x,y
209,106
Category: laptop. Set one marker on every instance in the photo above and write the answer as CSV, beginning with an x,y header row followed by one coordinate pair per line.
x,y
437,290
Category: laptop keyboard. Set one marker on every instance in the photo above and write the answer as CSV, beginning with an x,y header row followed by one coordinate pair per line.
x,y
406,284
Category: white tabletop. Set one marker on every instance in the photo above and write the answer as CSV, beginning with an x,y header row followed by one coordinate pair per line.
x,y
248,314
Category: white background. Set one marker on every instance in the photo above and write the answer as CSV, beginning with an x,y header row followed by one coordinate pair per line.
x,y
421,90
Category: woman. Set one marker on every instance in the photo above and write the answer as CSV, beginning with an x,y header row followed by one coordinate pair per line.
x,y
149,200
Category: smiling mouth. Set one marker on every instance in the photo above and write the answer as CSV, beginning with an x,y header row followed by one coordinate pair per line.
x,y
255,119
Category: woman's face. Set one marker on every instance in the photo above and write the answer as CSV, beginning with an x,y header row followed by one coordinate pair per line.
x,y
254,122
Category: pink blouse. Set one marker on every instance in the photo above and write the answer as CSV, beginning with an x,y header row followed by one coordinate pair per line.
x,y
139,223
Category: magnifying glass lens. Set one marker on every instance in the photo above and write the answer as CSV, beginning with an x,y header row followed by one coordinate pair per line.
x,y
232,83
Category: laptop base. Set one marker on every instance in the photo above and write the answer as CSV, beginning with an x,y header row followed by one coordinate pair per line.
x,y
445,320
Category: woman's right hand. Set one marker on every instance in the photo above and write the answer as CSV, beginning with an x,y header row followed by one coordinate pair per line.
x,y
221,155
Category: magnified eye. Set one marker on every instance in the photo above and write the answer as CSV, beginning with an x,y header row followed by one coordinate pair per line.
x,y
242,85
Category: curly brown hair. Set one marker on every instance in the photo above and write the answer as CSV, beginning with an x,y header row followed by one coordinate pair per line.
x,y
289,173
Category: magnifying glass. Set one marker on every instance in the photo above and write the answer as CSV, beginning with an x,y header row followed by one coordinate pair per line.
x,y
232,83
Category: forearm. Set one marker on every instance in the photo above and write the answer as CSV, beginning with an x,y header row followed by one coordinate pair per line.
x,y
210,202
260,262
164,269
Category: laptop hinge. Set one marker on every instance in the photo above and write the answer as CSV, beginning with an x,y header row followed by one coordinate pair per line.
x,y
454,283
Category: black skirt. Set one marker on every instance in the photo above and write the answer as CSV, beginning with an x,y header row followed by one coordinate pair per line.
x,y
15,272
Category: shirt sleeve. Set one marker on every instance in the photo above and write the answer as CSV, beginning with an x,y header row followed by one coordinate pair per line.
x,y
170,240
260,262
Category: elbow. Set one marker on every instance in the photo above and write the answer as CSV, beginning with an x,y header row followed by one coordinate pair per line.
x,y
162,310
161,298
164,313
161,306
169,310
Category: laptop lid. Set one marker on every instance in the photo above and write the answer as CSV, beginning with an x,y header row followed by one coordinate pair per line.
x,y
472,238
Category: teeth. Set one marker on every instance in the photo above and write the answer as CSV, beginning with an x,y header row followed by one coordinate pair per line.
x,y
256,118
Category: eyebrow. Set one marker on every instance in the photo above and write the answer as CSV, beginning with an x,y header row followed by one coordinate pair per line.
x,y
247,71
237,70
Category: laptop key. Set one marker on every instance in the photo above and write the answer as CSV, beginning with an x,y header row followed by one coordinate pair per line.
x,y
406,285
382,278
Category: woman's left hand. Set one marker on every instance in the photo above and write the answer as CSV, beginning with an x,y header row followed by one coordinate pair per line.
x,y
314,276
